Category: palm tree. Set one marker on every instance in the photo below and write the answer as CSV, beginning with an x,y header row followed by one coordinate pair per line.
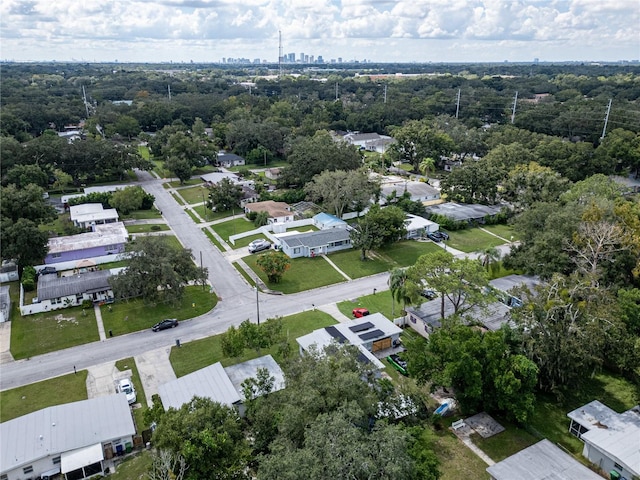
x,y
397,284
428,165
491,260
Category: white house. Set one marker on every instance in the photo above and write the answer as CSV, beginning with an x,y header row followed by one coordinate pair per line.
x,y
419,227
220,384
372,142
541,461
310,244
279,212
418,191
229,160
87,215
326,221
73,439
611,439
369,334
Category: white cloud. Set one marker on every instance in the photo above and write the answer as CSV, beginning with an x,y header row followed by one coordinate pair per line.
x,y
384,30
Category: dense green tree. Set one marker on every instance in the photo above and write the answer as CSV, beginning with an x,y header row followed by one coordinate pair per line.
x,y
309,156
23,241
127,199
461,281
157,272
274,265
27,203
225,195
126,126
210,438
389,223
180,167
339,191
22,175
527,184
364,236
417,140
481,367
473,182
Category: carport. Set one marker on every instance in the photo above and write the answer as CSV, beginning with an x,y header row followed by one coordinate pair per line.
x,y
83,462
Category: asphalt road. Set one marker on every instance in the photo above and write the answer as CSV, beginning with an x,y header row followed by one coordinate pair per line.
x,y
237,303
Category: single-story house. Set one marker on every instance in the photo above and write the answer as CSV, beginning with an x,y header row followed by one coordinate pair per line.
x,y
419,227
106,239
72,439
372,142
611,439
220,384
326,221
418,191
9,271
462,212
5,303
279,212
249,195
425,318
87,215
504,287
369,334
273,173
310,244
214,178
541,461
61,292
229,160
99,189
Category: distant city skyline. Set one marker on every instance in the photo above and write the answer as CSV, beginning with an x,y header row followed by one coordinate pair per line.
x,y
207,31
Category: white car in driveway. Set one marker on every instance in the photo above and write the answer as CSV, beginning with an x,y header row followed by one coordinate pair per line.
x,y
259,245
125,386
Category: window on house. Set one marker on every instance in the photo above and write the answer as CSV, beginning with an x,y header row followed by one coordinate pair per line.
x,y
296,250
56,460
617,466
4,476
56,255
28,469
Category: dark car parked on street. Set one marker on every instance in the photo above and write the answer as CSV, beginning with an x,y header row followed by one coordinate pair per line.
x,y
165,324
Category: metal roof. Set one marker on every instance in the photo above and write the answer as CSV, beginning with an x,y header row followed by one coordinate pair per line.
x,y
240,372
493,316
62,428
107,234
461,211
52,286
509,282
316,239
209,382
541,461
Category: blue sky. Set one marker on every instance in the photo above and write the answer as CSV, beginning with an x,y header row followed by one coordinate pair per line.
x,y
376,30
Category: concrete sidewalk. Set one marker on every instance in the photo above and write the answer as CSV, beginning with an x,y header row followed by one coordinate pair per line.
x,y
155,369
332,309
5,343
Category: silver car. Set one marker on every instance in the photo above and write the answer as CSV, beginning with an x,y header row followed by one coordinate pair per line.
x,y
259,245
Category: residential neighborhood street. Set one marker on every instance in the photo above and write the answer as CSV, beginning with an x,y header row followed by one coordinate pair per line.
x,y
237,302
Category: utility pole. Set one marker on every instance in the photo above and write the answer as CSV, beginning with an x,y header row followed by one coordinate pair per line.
x,y
169,90
279,54
385,93
336,91
202,269
515,103
257,303
458,104
606,120
84,98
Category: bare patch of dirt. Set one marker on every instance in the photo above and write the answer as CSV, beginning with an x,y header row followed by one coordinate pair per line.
x,y
61,318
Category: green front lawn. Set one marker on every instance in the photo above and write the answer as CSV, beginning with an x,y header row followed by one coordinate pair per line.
x,y
472,240
207,231
245,241
133,467
192,181
193,216
198,354
131,316
379,302
457,461
233,227
144,152
504,231
349,262
191,195
36,396
405,253
304,274
142,215
147,228
33,335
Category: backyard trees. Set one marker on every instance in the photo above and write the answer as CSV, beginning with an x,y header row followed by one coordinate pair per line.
x,y
180,167
157,272
462,281
210,438
225,195
482,368
309,156
363,236
340,190
274,265
127,199
417,140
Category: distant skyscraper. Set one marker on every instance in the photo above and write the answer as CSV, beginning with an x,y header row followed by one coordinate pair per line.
x,y
320,59
301,57
339,59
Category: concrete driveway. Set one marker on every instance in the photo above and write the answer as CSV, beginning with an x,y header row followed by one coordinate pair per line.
x,y
154,369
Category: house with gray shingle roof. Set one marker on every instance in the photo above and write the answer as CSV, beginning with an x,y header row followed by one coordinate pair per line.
x,y
310,244
61,292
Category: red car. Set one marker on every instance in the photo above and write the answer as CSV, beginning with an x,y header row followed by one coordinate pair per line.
x,y
360,312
